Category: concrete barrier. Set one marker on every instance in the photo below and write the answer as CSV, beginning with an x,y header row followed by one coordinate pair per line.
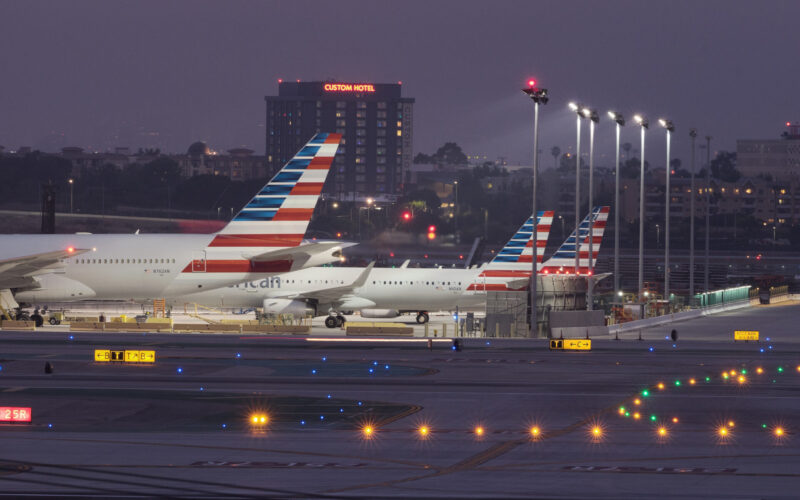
x,y
368,329
137,327
292,329
202,327
10,324
86,326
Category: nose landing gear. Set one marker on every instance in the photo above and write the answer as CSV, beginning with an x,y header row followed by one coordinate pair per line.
x,y
334,321
422,317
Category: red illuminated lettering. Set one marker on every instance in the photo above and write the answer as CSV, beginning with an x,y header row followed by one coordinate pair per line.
x,y
349,87
12,414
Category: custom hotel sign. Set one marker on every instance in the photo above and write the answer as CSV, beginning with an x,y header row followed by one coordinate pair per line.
x,y
349,87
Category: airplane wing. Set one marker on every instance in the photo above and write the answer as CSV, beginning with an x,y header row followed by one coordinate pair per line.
x,y
309,254
18,272
405,263
332,294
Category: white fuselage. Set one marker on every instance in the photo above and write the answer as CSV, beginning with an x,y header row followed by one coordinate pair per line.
x,y
126,266
402,289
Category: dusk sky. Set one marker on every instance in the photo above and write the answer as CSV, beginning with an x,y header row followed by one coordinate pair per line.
x,y
100,74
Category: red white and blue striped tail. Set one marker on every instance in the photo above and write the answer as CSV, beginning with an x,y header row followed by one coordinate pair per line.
x,y
511,267
278,216
563,260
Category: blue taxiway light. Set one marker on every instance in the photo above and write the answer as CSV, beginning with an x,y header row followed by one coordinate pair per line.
x,y
375,363
322,417
72,337
360,403
238,355
341,410
324,358
770,347
202,389
674,345
302,422
179,370
386,367
651,349
49,426
329,396
371,370
313,372
224,426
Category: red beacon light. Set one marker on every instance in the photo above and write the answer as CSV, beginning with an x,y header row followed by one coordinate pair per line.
x,y
531,83
406,215
70,249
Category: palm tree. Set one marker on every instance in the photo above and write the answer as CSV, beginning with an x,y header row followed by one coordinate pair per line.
x,y
556,152
627,148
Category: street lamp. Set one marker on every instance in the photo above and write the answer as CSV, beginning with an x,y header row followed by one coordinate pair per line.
x,y
708,206
71,185
667,124
643,124
538,96
620,121
455,218
693,135
591,115
577,108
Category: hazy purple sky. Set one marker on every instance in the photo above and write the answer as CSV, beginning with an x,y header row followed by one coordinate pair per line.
x,y
104,73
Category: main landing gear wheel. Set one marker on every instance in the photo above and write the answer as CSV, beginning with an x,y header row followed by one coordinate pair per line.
x,y
340,320
37,319
422,318
53,321
331,322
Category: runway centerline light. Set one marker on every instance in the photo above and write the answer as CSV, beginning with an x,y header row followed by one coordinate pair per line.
x,y
778,432
424,431
535,432
653,418
677,383
596,432
731,424
674,420
368,431
662,431
637,415
622,410
637,401
645,393
479,431
661,386
742,379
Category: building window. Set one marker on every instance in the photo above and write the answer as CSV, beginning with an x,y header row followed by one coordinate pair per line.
x,y
381,123
341,123
360,132
399,133
400,124
340,114
361,159
361,123
361,105
361,113
381,141
381,114
341,104
382,132
361,151
381,151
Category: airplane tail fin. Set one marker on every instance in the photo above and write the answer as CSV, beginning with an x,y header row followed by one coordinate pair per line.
x,y
563,260
277,217
513,262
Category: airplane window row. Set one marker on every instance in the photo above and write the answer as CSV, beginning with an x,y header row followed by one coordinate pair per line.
x,y
411,283
124,261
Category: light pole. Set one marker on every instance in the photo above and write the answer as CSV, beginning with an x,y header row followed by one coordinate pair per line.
x,y
620,120
538,96
643,124
708,206
693,135
455,216
71,185
667,124
577,109
591,115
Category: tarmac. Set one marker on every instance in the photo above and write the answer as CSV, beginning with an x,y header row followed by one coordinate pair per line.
x,y
503,418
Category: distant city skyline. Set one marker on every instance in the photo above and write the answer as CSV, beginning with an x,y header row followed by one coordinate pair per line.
x,y
100,75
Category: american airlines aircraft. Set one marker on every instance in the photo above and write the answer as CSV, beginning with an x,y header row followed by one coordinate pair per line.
x,y
265,238
388,292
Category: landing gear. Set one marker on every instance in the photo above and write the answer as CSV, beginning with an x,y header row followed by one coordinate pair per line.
x,y
422,317
330,321
37,319
54,321
340,320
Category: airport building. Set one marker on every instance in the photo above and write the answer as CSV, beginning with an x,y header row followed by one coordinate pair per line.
x,y
775,158
376,123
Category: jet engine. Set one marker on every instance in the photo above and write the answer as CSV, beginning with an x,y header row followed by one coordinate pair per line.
x,y
299,308
380,313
